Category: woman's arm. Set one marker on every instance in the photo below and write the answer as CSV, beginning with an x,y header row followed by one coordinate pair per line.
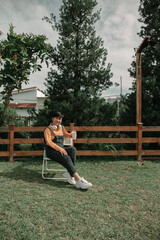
x,y
67,134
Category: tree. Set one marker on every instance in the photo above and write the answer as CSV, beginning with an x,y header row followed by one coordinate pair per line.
x,y
12,117
150,17
81,74
19,56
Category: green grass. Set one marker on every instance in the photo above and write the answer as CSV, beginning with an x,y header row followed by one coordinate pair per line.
x,y
123,204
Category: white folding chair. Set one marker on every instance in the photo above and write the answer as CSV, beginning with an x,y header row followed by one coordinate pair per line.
x,y
45,169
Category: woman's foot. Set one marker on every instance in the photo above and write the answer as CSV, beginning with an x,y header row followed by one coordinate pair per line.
x,y
70,179
83,184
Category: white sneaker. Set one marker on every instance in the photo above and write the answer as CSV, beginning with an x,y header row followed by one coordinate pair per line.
x,y
69,178
83,184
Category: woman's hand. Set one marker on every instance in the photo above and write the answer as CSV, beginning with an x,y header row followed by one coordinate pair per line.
x,y
63,152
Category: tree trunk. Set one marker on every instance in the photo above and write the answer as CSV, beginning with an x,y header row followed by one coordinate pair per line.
x,y
6,103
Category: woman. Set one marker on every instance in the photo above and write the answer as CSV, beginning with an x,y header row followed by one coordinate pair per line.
x,y
66,156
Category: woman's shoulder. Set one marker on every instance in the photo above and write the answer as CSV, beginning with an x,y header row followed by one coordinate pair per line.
x,y
47,129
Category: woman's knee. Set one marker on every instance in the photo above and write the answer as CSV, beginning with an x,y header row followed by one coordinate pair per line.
x,y
67,159
71,151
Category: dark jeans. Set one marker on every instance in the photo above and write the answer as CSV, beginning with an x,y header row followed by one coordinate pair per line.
x,y
67,161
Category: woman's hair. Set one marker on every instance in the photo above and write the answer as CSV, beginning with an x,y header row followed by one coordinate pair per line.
x,y
57,114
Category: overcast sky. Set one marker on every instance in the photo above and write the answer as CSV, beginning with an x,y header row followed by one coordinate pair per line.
x,y
117,27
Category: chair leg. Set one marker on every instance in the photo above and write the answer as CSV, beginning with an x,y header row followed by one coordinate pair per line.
x,y
44,167
54,170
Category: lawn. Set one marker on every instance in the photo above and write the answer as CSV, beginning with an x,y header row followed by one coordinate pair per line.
x,y
123,204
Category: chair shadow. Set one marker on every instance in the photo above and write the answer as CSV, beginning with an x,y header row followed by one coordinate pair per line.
x,y
27,175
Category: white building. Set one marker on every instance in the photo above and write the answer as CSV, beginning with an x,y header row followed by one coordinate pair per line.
x,y
25,99
111,98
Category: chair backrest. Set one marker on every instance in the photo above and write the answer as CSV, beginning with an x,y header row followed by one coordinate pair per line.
x,y
68,141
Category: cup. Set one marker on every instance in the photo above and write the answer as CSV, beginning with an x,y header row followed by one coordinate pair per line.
x,y
74,135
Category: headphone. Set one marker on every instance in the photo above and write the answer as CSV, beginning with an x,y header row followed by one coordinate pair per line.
x,y
55,127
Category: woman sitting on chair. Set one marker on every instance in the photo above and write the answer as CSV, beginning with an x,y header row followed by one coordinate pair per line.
x,y
66,156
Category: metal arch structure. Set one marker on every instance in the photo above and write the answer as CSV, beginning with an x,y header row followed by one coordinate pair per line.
x,y
147,42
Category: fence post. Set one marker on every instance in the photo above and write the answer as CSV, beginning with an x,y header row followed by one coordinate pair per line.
x,y
71,129
139,144
11,141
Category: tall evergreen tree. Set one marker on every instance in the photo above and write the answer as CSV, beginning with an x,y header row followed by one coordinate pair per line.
x,y
150,18
81,74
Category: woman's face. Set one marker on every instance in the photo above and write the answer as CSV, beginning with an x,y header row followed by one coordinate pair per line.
x,y
56,121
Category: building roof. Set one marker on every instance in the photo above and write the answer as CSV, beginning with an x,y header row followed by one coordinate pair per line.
x,y
27,89
39,93
22,105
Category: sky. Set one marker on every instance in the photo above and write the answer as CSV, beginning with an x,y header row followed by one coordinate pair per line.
x,y
118,28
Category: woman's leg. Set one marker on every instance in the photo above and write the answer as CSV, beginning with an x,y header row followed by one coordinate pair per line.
x,y
76,176
72,153
64,160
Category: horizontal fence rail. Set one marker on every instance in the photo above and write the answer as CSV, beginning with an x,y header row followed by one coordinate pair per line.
x,y
11,140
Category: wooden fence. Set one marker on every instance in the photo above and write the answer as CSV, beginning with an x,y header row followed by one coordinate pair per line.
x,y
138,140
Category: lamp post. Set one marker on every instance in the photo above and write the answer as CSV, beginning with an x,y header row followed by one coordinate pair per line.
x,y
120,95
